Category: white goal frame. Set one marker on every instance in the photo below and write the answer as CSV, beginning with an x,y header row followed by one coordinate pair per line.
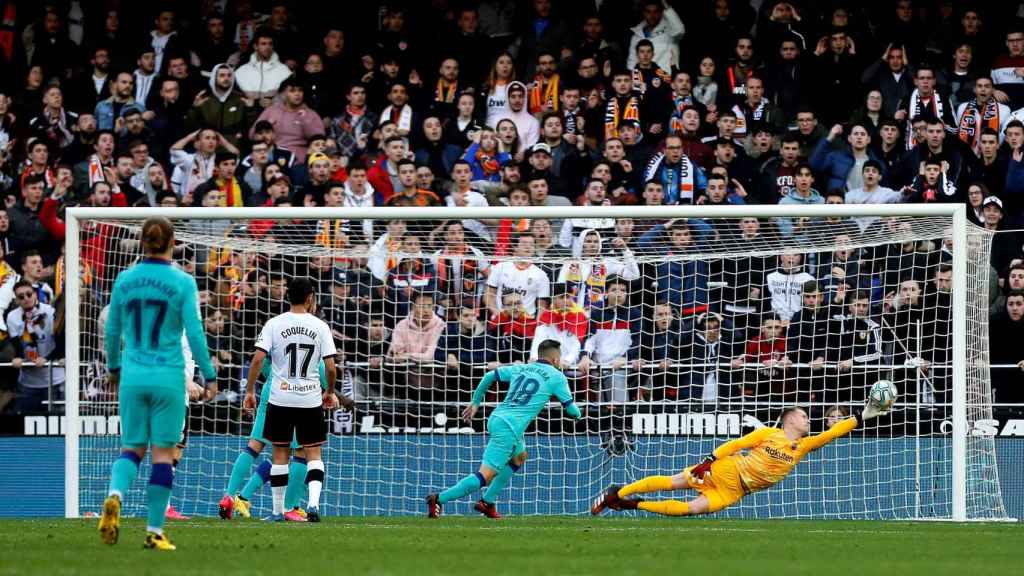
x,y
74,216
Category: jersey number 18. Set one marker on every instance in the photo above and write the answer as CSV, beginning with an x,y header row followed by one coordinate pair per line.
x,y
522,390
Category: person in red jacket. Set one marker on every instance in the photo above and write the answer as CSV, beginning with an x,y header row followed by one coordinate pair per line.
x,y
384,174
768,349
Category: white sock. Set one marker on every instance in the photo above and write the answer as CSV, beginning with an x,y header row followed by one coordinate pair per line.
x,y
314,485
278,475
154,530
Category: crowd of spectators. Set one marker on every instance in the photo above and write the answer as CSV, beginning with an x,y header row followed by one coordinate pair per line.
x,y
228,103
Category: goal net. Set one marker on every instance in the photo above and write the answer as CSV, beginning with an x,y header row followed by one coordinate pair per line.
x,y
681,328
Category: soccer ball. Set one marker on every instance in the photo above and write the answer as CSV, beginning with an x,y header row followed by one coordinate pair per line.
x,y
883,394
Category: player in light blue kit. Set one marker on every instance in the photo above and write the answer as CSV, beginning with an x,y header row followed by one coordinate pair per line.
x,y
150,305
530,386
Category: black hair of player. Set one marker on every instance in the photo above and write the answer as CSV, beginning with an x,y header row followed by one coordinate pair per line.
x,y
299,290
549,348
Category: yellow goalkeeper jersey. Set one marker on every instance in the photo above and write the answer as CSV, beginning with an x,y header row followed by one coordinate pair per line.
x,y
770,456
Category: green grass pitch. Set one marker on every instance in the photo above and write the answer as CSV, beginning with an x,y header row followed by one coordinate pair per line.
x,y
521,546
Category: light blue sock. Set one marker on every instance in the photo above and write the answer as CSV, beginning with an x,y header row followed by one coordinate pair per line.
x,y
467,485
158,494
296,490
240,469
499,482
123,472
261,477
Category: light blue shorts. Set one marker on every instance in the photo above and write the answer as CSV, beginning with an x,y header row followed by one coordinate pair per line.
x,y
503,444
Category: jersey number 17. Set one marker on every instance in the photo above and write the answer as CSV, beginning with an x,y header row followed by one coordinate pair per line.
x,y
292,350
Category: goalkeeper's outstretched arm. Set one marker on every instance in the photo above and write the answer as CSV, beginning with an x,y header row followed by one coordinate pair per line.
x,y
842,428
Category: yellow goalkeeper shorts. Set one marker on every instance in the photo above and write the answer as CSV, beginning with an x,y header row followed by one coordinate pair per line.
x,y
723,487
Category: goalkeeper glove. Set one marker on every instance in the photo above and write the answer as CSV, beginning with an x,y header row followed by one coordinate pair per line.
x,y
702,470
871,410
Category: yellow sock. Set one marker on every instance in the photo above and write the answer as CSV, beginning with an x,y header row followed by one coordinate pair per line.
x,y
665,507
645,485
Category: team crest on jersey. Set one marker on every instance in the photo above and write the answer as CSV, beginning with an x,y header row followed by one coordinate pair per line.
x,y
285,385
862,335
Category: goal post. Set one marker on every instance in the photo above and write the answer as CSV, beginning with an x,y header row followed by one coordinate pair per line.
x,y
642,437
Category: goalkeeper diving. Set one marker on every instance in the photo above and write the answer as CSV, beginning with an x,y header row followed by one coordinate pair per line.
x,y
530,386
728,474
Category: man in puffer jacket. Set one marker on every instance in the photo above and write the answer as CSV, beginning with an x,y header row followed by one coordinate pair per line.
x,y
260,77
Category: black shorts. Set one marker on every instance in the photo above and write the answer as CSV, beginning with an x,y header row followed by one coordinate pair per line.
x,y
307,424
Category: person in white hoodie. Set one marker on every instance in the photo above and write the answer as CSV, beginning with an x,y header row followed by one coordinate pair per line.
x,y
785,286
260,77
662,26
587,273
526,125
359,194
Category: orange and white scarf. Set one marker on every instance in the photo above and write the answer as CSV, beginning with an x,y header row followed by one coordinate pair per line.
x,y
542,93
974,121
445,92
613,116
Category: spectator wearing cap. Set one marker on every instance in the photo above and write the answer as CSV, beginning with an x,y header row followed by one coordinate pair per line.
x,y
1006,246
527,126
484,157
843,168
294,122
682,180
319,167
316,145
339,306
261,77
109,110
540,162
235,192
221,107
